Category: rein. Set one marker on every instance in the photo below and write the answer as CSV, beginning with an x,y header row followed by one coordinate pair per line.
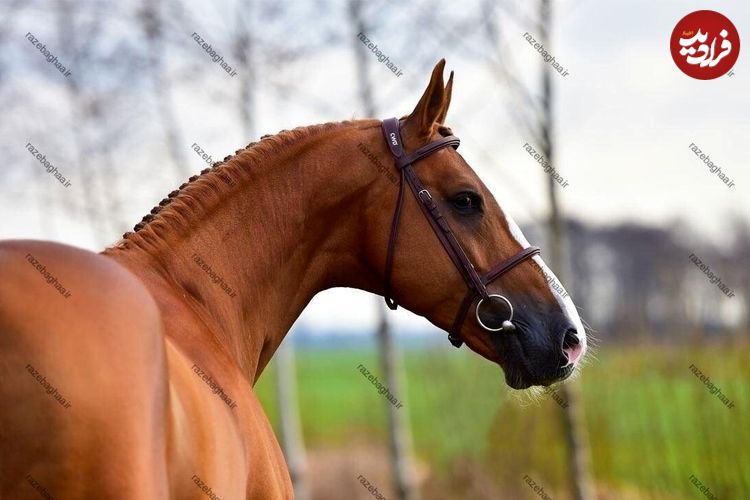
x,y
477,285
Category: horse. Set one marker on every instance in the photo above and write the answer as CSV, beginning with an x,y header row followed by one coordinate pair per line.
x,y
130,372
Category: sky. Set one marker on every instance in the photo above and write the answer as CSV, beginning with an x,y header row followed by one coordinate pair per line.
x,y
625,119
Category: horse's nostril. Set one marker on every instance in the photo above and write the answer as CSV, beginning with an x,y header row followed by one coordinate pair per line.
x,y
570,339
572,349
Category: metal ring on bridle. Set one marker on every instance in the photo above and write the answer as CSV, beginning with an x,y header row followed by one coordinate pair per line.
x,y
502,326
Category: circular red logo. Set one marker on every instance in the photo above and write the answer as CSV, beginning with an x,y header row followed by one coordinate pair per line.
x,y
705,44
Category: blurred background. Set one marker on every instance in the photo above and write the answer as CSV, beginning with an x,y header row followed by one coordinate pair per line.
x,y
638,422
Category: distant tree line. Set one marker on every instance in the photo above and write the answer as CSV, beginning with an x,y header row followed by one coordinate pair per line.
x,y
632,280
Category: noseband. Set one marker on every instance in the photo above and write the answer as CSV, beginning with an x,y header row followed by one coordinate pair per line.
x,y
476,284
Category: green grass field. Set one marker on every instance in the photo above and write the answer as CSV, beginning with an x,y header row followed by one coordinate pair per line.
x,y
652,423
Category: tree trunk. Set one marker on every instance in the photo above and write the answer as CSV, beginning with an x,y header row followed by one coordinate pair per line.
x,y
289,422
572,414
152,24
399,434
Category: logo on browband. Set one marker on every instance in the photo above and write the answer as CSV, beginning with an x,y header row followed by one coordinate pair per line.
x,y
394,141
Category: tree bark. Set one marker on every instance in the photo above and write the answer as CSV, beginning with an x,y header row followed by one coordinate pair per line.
x,y
399,433
572,414
291,429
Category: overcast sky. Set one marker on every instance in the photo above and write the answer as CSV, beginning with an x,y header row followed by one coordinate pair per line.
x,y
625,117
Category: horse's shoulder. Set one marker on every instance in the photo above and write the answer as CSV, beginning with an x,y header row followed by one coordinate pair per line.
x,y
50,287
81,350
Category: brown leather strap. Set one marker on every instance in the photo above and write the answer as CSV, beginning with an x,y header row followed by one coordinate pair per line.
x,y
445,234
509,264
392,305
427,150
440,226
487,278
477,285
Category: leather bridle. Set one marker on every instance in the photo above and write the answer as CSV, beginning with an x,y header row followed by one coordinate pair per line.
x,y
477,285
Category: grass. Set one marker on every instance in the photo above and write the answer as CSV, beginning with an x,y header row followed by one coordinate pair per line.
x,y
651,422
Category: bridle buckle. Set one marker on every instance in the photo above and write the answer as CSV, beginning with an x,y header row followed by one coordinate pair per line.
x,y
429,196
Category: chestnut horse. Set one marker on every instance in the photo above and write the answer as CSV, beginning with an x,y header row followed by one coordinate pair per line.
x,y
130,373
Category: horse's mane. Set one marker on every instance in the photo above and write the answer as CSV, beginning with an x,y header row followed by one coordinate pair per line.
x,y
192,198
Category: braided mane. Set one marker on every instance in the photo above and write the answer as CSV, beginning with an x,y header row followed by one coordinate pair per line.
x,y
172,195
214,181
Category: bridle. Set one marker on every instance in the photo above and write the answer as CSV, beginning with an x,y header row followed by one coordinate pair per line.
x,y
477,285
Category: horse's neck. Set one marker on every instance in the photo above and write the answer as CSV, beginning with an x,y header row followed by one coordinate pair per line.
x,y
252,263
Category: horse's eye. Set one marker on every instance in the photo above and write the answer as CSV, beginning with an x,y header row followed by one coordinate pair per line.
x,y
467,202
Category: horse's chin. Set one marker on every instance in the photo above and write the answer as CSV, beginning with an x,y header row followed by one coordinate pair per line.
x,y
516,379
517,383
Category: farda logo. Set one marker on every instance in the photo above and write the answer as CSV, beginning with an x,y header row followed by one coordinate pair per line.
x,y
705,45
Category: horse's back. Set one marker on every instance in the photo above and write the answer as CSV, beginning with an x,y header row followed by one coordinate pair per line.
x,y
96,401
73,326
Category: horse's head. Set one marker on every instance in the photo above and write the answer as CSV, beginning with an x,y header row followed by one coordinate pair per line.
x,y
526,321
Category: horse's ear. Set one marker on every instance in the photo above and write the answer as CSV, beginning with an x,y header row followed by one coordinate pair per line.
x,y
446,99
431,107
